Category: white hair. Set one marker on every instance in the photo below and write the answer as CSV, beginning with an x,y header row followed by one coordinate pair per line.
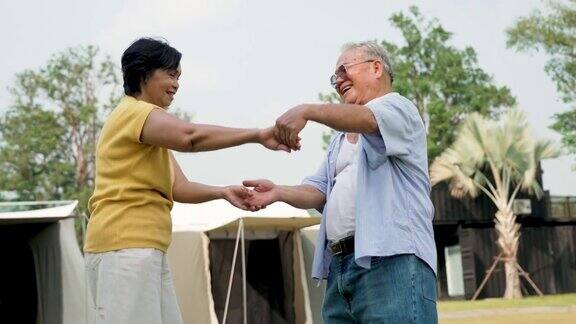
x,y
372,50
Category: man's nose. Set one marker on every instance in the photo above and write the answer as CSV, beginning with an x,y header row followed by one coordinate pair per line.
x,y
339,81
341,77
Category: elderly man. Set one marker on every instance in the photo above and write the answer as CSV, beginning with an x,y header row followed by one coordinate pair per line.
x,y
375,244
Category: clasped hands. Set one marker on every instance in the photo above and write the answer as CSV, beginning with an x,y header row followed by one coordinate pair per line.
x,y
254,195
284,134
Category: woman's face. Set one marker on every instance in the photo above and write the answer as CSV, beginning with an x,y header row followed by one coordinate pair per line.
x,y
161,87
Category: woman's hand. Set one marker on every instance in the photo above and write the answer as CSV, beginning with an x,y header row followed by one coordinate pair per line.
x,y
237,196
267,139
265,192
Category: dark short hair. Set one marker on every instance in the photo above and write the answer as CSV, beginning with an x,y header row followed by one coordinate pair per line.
x,y
142,58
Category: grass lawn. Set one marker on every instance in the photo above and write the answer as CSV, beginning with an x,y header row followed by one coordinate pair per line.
x,y
546,309
491,303
552,318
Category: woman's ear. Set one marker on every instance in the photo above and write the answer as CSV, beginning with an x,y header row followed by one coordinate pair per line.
x,y
143,82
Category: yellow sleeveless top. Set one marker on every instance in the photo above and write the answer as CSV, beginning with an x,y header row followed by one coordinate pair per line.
x,y
132,199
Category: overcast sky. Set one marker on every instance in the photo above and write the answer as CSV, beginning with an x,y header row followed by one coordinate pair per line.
x,y
246,62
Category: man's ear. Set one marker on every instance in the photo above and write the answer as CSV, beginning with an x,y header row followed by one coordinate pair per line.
x,y
378,69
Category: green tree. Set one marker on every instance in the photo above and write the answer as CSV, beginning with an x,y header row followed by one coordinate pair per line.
x,y
554,33
33,164
566,125
444,82
48,135
509,155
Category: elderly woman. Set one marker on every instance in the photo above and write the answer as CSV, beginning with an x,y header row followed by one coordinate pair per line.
x,y
137,181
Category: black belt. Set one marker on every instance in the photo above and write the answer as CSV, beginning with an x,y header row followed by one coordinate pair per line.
x,y
343,247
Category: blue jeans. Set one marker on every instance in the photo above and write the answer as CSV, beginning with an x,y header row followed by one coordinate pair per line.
x,y
398,289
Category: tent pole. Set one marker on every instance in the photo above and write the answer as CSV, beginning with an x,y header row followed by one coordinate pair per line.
x,y
232,273
243,273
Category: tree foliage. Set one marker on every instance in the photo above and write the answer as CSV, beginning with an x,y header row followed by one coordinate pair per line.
x,y
48,135
445,83
554,33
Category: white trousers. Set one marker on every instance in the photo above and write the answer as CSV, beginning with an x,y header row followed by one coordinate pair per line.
x,y
130,286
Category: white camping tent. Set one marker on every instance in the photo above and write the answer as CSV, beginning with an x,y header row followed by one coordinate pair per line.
x,y
268,245
42,270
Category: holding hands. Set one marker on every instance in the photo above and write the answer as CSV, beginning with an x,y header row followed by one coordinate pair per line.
x,y
264,193
283,136
269,140
289,125
237,196
254,195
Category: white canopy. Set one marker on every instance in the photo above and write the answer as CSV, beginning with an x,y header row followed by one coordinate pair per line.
x,y
46,229
219,213
27,212
195,226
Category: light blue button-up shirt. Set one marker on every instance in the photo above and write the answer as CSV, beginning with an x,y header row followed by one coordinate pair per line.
x,y
393,207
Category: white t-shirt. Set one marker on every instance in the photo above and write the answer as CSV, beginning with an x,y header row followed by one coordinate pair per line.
x,y
341,207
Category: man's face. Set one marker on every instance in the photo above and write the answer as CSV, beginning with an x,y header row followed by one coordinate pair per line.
x,y
358,83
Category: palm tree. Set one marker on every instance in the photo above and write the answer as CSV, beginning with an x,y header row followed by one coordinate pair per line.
x,y
509,155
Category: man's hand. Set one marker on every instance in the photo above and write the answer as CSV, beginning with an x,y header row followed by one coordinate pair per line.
x,y
269,140
289,125
265,192
237,196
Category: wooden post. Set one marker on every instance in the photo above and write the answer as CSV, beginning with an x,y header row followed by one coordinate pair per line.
x,y
527,277
488,274
493,267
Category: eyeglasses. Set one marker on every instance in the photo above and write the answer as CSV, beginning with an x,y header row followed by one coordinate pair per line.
x,y
342,71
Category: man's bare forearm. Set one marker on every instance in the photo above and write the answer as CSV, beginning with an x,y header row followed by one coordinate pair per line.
x,y
302,196
343,117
